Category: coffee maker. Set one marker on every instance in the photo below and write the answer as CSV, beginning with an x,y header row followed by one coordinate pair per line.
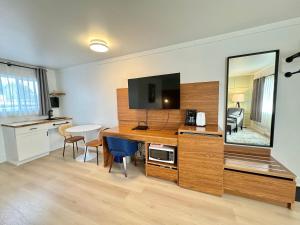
x,y
50,114
190,117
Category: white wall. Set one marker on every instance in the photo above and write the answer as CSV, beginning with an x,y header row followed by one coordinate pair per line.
x,y
91,88
52,86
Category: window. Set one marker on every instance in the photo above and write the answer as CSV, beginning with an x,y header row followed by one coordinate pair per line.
x,y
18,91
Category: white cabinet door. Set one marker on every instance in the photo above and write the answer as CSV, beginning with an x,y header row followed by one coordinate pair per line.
x,y
32,144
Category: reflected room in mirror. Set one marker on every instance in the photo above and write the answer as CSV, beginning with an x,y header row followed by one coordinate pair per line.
x,y
251,98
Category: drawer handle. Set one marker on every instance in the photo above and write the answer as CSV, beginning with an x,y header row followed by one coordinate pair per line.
x,y
55,124
33,128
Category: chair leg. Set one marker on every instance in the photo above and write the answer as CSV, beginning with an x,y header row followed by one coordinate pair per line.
x,y
86,148
64,149
97,156
125,166
77,146
111,162
134,158
73,152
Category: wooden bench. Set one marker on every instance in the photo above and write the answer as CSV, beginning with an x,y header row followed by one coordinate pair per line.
x,y
258,176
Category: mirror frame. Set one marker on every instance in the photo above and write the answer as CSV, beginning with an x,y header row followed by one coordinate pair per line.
x,y
274,94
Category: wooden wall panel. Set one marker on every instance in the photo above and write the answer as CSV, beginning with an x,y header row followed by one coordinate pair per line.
x,y
247,150
202,96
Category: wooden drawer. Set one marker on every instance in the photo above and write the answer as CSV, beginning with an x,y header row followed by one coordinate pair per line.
x,y
260,186
162,172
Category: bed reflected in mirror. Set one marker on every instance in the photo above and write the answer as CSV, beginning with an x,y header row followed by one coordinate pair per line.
x,y
251,98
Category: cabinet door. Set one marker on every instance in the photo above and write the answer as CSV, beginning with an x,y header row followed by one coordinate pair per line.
x,y
32,144
201,163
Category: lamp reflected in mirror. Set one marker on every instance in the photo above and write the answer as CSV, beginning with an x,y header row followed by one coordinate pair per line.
x,y
238,98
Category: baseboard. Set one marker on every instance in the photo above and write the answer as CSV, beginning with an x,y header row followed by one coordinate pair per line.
x,y
18,163
298,194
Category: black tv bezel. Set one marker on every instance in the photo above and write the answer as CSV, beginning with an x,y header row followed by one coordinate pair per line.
x,y
177,73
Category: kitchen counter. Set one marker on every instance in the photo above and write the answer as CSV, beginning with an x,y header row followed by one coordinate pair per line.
x,y
34,122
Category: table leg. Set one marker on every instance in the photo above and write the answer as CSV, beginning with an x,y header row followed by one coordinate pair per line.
x,y
106,154
89,155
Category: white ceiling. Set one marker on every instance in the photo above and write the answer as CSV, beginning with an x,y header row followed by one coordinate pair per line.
x,y
248,65
56,33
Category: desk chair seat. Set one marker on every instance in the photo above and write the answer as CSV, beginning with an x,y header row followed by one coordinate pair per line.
x,y
74,139
121,148
96,144
69,138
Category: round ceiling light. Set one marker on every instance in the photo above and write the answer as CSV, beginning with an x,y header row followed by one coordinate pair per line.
x,y
98,46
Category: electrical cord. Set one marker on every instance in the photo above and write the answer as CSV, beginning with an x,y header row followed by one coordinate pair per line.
x,y
165,124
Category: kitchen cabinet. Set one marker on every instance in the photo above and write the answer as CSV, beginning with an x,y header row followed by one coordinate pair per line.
x,y
24,143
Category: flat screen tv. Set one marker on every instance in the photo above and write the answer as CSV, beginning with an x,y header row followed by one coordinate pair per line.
x,y
155,92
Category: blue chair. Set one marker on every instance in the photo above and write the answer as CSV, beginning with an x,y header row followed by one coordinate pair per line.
x,y
121,148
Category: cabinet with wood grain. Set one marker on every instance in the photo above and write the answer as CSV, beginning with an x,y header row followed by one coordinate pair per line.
x,y
201,162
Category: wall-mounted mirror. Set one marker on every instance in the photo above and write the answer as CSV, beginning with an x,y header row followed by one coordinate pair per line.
x,y
251,98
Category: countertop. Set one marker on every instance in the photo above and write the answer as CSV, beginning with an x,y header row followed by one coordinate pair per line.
x,y
34,122
208,129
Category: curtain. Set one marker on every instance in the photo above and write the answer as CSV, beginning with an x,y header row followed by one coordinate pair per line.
x,y
257,99
267,108
18,91
45,106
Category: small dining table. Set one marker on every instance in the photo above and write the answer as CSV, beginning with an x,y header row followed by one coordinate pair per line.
x,y
84,130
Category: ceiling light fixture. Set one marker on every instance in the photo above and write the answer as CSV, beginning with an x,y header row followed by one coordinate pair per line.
x,y
98,46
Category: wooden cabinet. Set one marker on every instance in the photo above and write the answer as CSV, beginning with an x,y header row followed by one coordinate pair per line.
x,y
201,162
161,172
262,187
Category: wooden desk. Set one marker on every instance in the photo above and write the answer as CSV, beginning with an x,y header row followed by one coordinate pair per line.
x,y
166,137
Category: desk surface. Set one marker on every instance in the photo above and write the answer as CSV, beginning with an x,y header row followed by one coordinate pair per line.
x,y
168,137
208,129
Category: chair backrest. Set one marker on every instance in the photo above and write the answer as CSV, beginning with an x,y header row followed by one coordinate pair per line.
x,y
62,130
121,146
100,134
236,111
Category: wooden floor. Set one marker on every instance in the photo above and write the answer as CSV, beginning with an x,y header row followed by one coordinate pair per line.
x,y
53,190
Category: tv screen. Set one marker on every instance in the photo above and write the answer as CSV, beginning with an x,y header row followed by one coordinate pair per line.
x,y
155,92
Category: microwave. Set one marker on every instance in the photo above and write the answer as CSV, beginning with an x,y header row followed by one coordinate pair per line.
x,y
162,153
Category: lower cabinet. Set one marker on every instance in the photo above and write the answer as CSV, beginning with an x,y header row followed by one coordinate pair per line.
x,y
201,162
162,172
262,187
32,144
26,143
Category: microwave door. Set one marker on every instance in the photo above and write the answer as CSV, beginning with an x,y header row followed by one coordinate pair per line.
x,y
160,156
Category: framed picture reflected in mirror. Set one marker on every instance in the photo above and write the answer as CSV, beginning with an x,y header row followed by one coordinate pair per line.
x,y
251,98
